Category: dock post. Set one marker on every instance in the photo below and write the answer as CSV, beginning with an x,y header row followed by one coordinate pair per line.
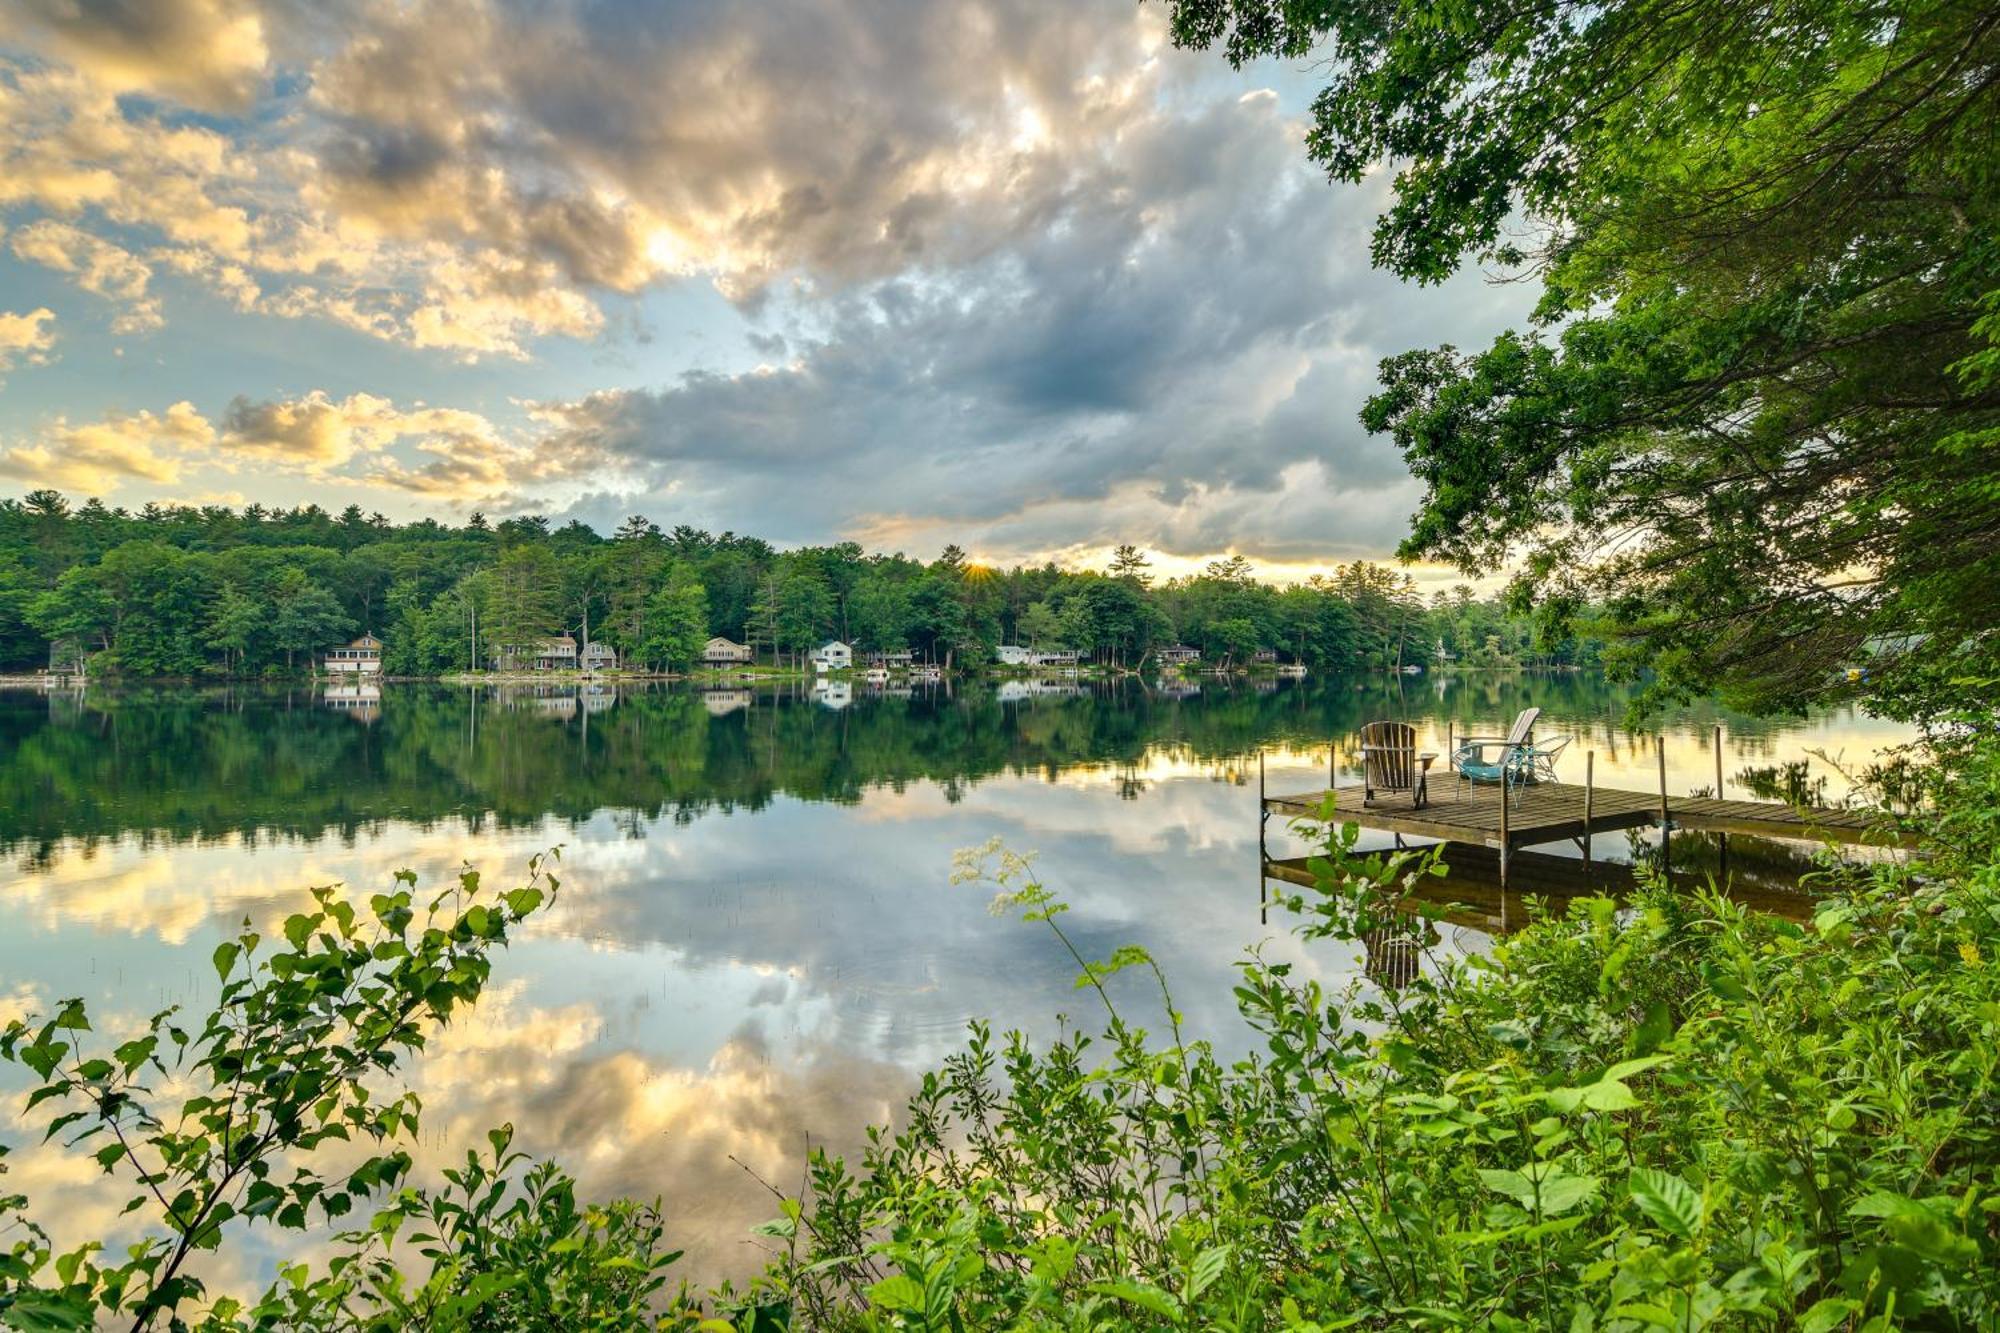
x,y
1666,825
1506,843
1721,839
1589,797
1263,854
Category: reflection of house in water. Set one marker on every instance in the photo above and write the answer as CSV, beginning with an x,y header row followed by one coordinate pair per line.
x,y
359,701
720,703
1172,688
833,693
1013,691
598,698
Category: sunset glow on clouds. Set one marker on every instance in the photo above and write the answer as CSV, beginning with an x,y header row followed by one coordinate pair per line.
x,y
1019,276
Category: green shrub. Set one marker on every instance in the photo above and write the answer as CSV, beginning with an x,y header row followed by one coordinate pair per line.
x,y
1671,1114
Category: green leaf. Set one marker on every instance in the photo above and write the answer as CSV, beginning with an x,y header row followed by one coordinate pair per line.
x,y
1668,1201
225,958
900,1292
1141,1294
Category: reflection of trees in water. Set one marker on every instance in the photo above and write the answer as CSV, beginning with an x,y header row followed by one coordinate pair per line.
x,y
184,762
1791,782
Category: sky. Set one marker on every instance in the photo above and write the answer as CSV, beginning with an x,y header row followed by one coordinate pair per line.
x,y
1014,274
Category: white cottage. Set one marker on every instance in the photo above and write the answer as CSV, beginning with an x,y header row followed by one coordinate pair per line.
x,y
361,657
833,655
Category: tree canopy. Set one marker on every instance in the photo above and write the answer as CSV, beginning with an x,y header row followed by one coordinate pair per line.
x,y
174,591
1755,410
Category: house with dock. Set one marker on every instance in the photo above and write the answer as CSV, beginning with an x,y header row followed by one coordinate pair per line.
x,y
892,659
362,657
1179,654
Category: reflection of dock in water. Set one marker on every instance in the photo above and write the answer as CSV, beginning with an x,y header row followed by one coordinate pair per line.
x,y
1472,894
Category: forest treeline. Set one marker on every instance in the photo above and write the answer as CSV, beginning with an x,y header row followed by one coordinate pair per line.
x,y
180,591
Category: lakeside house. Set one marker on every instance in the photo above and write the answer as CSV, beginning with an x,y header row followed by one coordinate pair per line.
x,y
556,654
361,657
1179,654
892,659
721,652
1264,657
1013,654
599,657
833,655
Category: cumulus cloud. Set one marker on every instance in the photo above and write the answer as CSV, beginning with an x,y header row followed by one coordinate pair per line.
x,y
100,267
206,53
26,337
1176,359
96,456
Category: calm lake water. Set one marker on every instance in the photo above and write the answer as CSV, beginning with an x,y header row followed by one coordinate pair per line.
x,y
756,945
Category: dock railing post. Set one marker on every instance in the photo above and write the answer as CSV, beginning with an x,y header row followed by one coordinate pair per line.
x,y
1666,825
1589,798
1506,842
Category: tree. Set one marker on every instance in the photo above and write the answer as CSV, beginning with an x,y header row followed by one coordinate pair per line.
x,y
677,621
236,623
1129,562
1756,411
304,615
524,598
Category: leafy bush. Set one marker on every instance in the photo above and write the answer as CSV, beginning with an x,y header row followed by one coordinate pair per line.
x,y
1675,1114
285,1064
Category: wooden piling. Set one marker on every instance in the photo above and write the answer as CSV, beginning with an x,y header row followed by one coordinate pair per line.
x,y
1506,841
1589,799
1721,839
1263,847
1666,817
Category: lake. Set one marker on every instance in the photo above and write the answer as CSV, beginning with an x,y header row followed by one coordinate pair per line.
x,y
756,946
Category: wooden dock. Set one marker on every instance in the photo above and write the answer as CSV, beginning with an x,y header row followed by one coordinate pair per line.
x,y
1474,815
1563,812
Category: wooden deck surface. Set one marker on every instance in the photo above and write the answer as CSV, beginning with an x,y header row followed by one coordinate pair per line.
x,y
1555,812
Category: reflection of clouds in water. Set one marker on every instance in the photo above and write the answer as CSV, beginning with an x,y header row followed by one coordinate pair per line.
x,y
738,983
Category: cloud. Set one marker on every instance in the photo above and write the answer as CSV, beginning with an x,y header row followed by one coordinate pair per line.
x,y
26,337
100,267
206,53
96,456
1177,359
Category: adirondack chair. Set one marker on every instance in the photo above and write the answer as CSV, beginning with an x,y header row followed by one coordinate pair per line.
x,y
1508,760
1390,763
